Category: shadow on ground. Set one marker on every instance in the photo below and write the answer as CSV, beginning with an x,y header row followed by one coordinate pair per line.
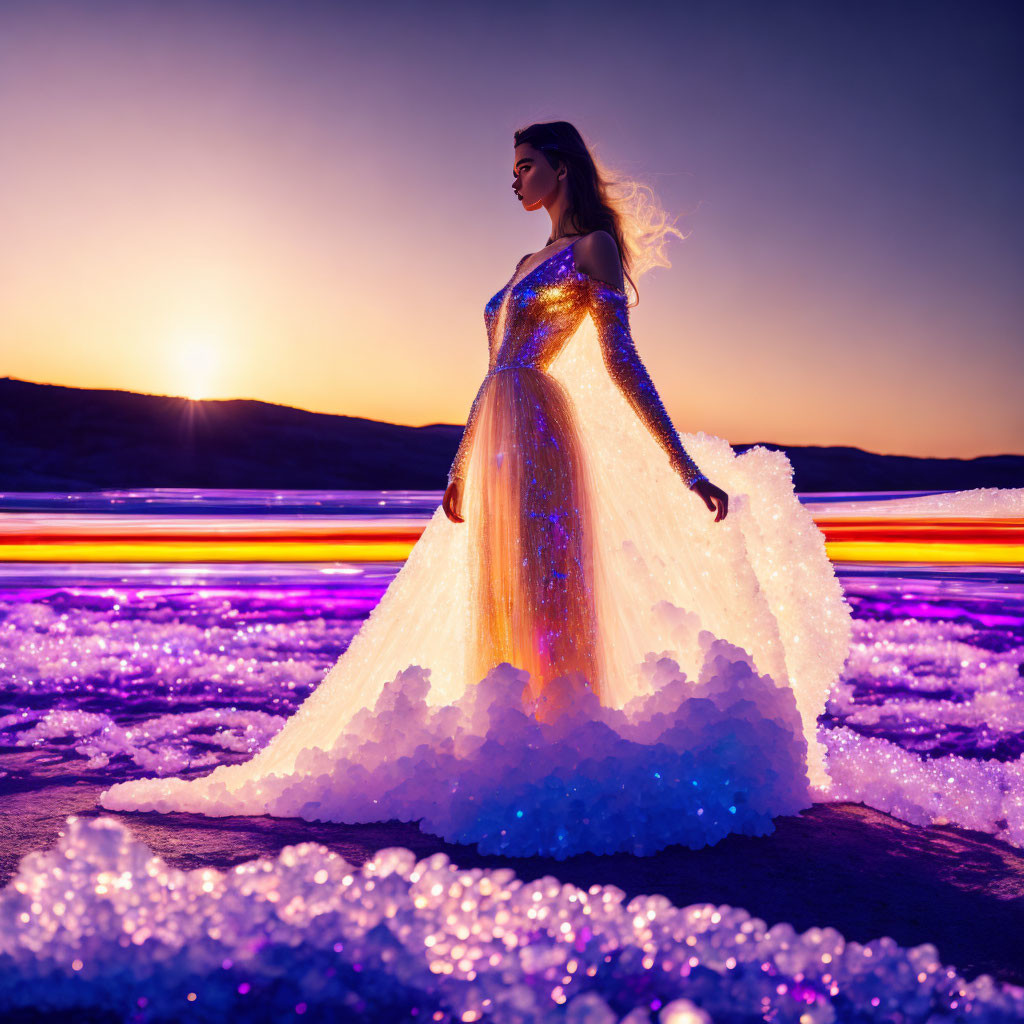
x,y
840,865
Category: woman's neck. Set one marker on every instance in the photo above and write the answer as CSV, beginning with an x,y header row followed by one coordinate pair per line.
x,y
568,234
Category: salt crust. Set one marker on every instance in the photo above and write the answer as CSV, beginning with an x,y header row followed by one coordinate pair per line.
x,y
939,683
99,924
975,790
984,502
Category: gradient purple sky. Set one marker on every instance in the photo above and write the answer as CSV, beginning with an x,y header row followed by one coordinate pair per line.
x,y
310,203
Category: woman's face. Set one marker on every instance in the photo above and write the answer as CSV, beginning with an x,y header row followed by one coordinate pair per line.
x,y
533,178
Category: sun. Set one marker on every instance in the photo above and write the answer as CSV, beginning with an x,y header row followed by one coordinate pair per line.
x,y
196,359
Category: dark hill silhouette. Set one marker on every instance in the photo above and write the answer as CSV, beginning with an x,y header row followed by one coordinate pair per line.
x,y
79,439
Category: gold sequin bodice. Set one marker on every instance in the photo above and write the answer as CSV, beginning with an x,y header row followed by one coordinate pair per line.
x,y
532,318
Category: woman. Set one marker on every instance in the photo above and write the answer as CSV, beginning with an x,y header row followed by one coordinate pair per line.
x,y
532,491
573,657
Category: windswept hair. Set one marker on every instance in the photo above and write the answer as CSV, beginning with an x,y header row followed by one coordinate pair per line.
x,y
603,199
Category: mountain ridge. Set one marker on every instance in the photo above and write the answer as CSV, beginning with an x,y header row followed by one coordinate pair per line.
x,y
55,437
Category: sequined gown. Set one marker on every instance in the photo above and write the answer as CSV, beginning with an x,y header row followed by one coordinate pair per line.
x,y
529,503
588,662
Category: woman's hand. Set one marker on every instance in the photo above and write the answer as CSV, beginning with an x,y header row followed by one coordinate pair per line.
x,y
452,501
711,494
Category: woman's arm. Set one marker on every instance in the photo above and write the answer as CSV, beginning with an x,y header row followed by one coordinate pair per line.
x,y
458,467
597,257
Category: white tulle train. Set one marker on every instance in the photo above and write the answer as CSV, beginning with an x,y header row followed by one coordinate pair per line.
x,y
721,641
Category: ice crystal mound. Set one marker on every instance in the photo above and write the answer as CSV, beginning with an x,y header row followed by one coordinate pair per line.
x,y
689,762
910,691
101,924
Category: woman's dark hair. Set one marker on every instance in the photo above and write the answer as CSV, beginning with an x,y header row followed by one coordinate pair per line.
x,y
590,207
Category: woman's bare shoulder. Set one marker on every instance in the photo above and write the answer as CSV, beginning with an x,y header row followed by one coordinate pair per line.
x,y
597,256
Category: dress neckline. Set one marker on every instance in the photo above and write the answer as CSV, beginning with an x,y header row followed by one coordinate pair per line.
x,y
515,284
602,284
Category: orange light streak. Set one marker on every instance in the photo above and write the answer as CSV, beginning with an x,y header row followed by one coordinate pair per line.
x,y
29,537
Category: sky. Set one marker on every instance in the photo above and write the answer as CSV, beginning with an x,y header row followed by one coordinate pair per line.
x,y
309,203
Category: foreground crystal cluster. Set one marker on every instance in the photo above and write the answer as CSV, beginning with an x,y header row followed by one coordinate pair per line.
x,y
100,925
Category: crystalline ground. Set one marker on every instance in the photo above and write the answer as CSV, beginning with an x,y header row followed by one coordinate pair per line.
x,y
99,924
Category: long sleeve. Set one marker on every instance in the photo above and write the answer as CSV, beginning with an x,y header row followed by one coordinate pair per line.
x,y
458,467
610,312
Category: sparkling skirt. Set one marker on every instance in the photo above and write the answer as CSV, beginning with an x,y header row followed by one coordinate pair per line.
x,y
526,504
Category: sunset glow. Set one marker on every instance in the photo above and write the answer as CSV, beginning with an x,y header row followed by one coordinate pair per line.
x,y
293,205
